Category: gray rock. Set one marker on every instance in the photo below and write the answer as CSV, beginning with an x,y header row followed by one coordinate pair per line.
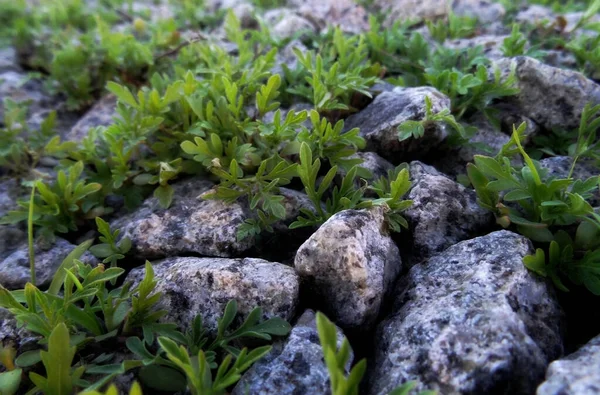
x,y
192,286
8,60
559,167
190,225
346,14
535,14
560,58
442,214
485,10
101,114
574,374
15,335
552,97
491,44
196,225
18,87
245,13
294,366
379,122
348,266
378,166
14,264
291,24
287,56
10,191
471,320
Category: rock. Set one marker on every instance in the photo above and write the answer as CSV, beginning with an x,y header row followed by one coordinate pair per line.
x,y
552,97
8,60
471,320
294,366
196,225
487,140
244,12
559,58
290,25
491,44
345,14
10,191
559,167
535,14
442,214
14,264
18,87
287,56
192,286
101,114
11,333
348,266
379,122
574,374
484,10
374,163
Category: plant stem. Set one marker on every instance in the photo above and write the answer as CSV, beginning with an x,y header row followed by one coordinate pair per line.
x,y
30,236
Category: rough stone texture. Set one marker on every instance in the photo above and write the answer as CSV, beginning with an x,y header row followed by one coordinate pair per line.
x,y
484,10
552,97
10,191
14,264
559,167
192,286
286,23
560,58
245,12
288,57
347,14
196,225
8,60
535,14
294,366
16,86
379,121
471,320
378,166
486,141
574,374
443,213
101,114
13,334
491,44
348,266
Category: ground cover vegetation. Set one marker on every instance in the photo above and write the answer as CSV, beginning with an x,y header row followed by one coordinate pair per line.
x,y
188,105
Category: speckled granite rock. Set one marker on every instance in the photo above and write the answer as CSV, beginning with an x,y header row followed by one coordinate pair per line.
x,y
14,263
471,320
552,97
379,121
443,213
484,10
559,167
192,286
491,44
11,333
348,266
347,14
575,374
294,366
196,225
101,114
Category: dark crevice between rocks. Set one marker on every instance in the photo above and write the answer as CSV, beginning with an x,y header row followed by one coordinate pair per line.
x,y
582,318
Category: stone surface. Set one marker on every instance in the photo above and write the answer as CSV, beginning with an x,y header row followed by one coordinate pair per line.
x,y
101,114
192,286
18,87
484,10
347,14
379,122
491,44
286,23
348,266
14,263
443,213
196,225
552,97
8,60
471,320
11,333
10,191
575,374
559,167
294,366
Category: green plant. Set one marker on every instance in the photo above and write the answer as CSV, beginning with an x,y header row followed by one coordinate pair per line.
x,y
516,45
543,209
454,27
337,360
